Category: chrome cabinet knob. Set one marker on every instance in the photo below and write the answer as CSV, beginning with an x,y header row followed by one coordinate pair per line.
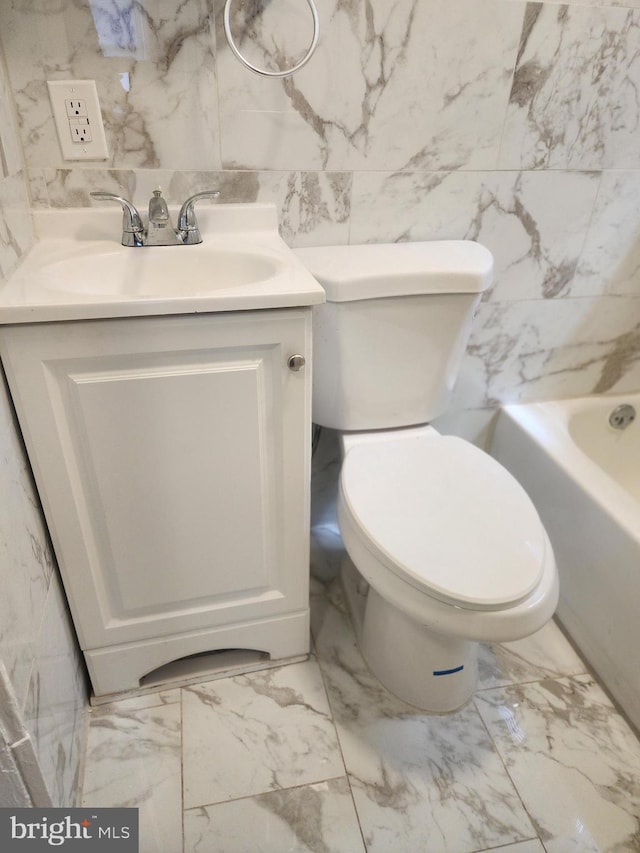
x,y
296,362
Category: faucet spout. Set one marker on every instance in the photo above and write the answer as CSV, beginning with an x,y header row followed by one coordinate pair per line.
x,y
160,231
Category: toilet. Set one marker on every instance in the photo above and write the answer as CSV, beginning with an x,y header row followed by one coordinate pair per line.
x,y
445,548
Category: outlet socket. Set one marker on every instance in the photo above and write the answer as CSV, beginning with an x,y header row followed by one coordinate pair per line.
x,y
76,111
76,108
80,130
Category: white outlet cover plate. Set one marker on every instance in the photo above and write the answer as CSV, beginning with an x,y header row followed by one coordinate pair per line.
x,y
81,90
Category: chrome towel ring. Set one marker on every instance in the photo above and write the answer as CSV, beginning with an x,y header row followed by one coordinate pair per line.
x,y
261,71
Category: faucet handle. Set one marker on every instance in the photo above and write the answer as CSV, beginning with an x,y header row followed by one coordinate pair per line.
x,y
132,229
187,224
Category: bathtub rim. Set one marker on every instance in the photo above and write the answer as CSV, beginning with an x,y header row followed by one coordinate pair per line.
x,y
547,424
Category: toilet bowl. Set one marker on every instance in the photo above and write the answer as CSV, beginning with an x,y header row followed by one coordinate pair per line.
x,y
445,548
452,552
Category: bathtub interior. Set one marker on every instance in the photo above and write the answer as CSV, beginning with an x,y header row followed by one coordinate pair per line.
x,y
615,450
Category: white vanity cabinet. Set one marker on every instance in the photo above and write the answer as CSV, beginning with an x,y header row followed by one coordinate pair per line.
x,y
172,457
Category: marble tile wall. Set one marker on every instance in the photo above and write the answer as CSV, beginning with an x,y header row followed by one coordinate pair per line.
x,y
41,680
15,222
508,122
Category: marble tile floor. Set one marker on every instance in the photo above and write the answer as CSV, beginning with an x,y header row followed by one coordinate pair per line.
x,y
317,756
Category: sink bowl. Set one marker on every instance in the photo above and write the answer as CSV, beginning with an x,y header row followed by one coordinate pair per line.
x,y
77,269
163,271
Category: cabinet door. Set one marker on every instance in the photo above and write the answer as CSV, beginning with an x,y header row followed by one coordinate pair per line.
x,y
172,459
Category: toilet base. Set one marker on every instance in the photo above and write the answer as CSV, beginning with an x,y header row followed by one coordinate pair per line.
x,y
423,668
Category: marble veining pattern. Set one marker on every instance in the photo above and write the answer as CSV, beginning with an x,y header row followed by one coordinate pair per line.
x,y
264,731
544,349
311,818
55,710
573,103
15,223
539,761
610,260
534,223
133,760
575,763
313,207
378,57
10,151
153,67
25,550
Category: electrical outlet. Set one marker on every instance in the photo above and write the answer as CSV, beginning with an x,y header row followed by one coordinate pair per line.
x,y
76,111
80,130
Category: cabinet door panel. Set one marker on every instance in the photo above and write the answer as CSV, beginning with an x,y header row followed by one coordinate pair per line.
x,y
171,455
175,465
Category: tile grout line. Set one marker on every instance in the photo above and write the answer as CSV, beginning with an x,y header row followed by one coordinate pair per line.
x,y
538,680
506,770
344,763
262,794
498,753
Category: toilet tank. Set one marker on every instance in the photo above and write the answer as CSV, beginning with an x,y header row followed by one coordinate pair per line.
x,y
389,340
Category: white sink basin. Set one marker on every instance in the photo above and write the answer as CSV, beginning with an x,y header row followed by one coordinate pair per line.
x,y
168,271
78,270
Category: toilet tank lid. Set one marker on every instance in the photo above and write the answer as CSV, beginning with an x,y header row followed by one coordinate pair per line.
x,y
375,270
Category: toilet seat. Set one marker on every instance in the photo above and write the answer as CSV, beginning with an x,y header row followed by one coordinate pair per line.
x,y
446,518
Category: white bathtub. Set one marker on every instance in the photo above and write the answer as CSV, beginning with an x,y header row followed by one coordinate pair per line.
x,y
584,478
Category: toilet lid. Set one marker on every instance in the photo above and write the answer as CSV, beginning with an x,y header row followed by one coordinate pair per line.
x,y
446,518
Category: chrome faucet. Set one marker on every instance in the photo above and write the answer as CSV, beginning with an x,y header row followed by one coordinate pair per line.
x,y
160,230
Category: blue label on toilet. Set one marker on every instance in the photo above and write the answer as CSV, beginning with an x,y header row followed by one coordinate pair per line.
x,y
448,671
